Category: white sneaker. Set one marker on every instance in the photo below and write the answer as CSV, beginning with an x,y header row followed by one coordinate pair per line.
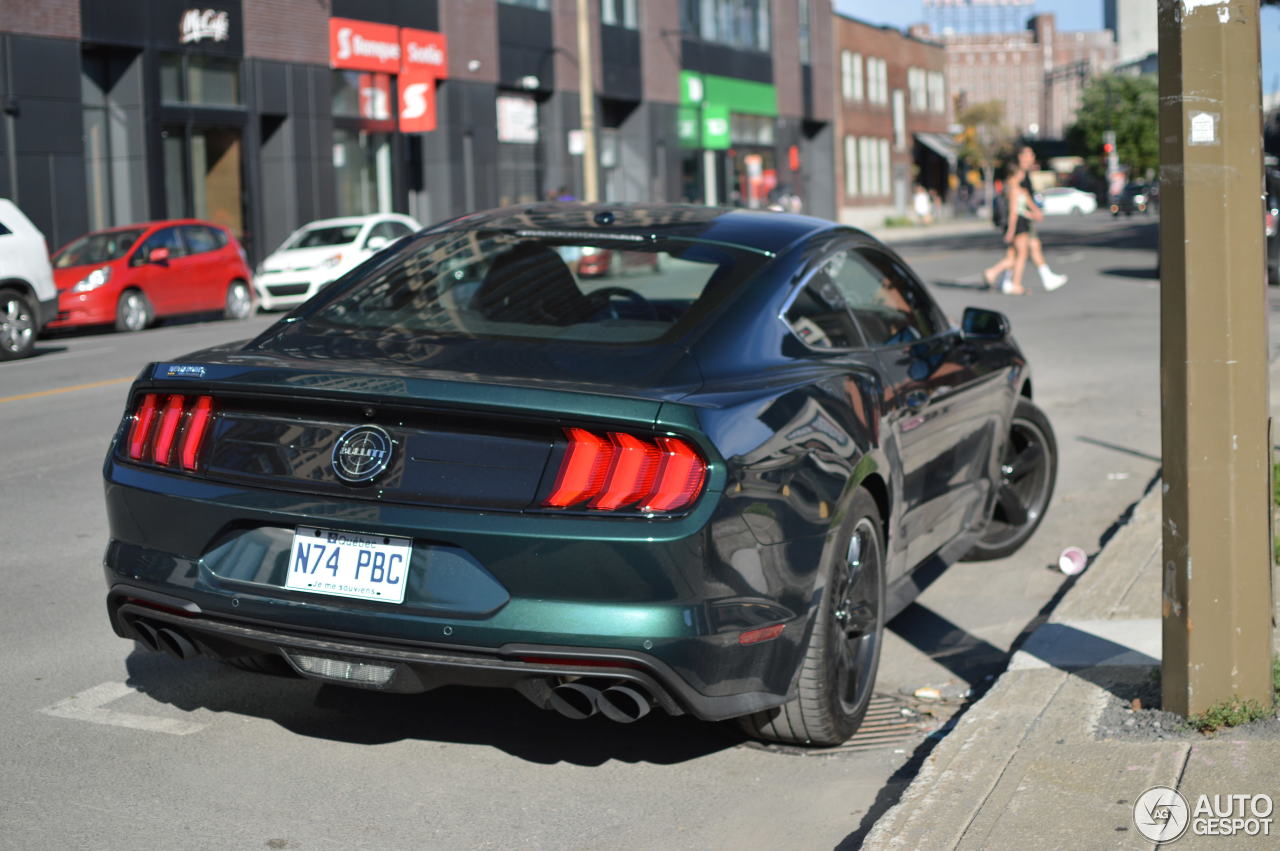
x,y
1052,281
1006,283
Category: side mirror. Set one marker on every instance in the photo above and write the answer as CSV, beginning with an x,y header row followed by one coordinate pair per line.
x,y
375,243
158,255
981,324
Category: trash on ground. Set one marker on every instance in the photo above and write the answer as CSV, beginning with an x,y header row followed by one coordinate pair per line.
x,y
927,693
1072,561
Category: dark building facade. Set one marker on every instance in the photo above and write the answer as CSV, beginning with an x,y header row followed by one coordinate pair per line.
x,y
266,114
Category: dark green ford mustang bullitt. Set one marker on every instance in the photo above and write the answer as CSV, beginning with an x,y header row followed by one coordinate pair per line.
x,y
616,458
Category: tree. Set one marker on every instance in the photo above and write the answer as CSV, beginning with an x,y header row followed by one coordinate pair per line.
x,y
984,138
1130,107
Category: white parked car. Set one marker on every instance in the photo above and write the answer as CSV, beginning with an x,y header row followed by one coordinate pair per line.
x,y
322,251
28,299
1063,200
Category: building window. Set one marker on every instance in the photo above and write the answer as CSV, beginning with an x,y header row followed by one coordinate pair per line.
x,y
917,85
877,81
531,4
619,13
885,167
362,94
190,78
803,34
851,75
899,120
865,164
937,92
362,171
850,166
743,24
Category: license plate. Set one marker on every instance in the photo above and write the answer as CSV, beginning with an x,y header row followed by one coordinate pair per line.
x,y
349,564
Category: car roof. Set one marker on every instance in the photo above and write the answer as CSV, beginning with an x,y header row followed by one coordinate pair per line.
x,y
158,223
755,230
339,221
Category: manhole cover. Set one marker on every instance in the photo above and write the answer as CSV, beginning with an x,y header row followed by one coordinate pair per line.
x,y
889,721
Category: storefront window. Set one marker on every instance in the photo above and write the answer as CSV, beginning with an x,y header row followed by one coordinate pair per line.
x,y
203,175
532,4
362,171
362,94
200,80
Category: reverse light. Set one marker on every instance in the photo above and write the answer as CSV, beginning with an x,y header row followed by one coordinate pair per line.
x,y
93,280
621,471
164,422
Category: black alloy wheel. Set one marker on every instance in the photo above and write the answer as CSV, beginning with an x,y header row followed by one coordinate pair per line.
x,y
839,667
1028,471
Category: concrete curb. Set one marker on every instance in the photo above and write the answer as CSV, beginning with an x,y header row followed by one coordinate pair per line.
x,y
922,233
953,796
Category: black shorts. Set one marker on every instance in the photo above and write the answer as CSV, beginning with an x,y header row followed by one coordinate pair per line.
x,y
1023,225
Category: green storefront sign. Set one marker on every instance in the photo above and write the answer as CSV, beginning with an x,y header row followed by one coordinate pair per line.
x,y
707,101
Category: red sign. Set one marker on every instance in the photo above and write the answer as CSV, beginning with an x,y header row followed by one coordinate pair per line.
x,y
362,46
424,52
417,100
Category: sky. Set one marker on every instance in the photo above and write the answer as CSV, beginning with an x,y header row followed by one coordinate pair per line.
x,y
1071,15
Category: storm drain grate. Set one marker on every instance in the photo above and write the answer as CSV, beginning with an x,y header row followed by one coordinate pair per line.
x,y
889,721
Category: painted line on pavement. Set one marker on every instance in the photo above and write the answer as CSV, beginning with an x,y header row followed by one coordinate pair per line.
x,y
56,390
88,706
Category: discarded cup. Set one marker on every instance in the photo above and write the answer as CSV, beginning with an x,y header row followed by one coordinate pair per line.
x,y
1072,561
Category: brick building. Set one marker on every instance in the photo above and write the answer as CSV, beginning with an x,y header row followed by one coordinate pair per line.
x,y
1038,73
266,114
892,116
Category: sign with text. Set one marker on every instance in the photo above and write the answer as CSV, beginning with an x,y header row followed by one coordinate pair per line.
x,y
362,46
424,52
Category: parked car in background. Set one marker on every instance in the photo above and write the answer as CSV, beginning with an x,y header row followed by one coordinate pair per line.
x,y
603,262
28,298
1063,201
1134,198
130,276
705,492
324,251
1272,220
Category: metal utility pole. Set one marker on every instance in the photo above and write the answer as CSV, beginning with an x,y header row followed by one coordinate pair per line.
x,y
1213,358
587,102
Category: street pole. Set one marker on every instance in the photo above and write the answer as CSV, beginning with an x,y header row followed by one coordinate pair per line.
x,y
587,103
1213,313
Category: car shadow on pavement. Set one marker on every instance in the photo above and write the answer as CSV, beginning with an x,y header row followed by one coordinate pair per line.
x,y
1142,273
499,718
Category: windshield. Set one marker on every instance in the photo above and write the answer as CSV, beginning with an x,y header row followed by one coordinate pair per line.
x,y
324,236
97,248
485,284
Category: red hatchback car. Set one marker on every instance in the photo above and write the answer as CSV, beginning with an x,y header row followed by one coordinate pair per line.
x,y
131,275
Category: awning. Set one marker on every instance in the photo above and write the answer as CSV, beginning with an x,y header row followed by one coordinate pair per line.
x,y
941,145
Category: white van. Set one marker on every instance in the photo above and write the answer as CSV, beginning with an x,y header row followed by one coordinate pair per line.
x,y
28,299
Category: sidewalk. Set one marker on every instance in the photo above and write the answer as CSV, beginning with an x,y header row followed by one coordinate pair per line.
x,y
1052,757
942,228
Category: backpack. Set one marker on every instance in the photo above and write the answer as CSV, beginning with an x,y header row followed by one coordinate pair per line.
x,y
1000,211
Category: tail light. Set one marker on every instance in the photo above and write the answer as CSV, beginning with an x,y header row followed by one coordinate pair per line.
x,y
621,471
160,423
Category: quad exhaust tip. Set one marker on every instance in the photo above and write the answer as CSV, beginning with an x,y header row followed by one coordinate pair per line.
x,y
620,703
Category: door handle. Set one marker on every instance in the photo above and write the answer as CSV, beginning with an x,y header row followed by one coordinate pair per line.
x,y
917,399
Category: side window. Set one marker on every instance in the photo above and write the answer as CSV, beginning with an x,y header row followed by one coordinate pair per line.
x,y
395,230
199,239
166,238
820,315
386,230
891,307
4,231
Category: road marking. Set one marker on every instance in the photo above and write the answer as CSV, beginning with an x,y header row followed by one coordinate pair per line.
x,y
73,388
88,706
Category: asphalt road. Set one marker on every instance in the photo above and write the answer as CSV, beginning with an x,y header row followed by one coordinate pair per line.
x,y
106,746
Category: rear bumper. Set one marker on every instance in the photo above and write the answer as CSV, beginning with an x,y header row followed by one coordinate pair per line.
x,y
531,669
488,587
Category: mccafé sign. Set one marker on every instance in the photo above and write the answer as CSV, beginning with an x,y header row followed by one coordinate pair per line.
x,y
420,57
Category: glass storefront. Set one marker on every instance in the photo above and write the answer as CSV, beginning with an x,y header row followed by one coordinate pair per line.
x,y
203,174
363,142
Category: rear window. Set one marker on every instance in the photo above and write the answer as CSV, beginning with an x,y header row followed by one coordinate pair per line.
x,y
97,248
481,284
326,236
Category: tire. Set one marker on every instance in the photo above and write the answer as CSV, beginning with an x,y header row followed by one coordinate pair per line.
x,y
239,301
1028,472
1077,211
133,311
18,325
840,663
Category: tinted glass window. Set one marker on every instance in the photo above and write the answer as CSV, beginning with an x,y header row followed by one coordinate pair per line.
x,y
96,248
4,231
383,230
397,229
481,284
325,236
199,239
164,238
820,315
890,305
